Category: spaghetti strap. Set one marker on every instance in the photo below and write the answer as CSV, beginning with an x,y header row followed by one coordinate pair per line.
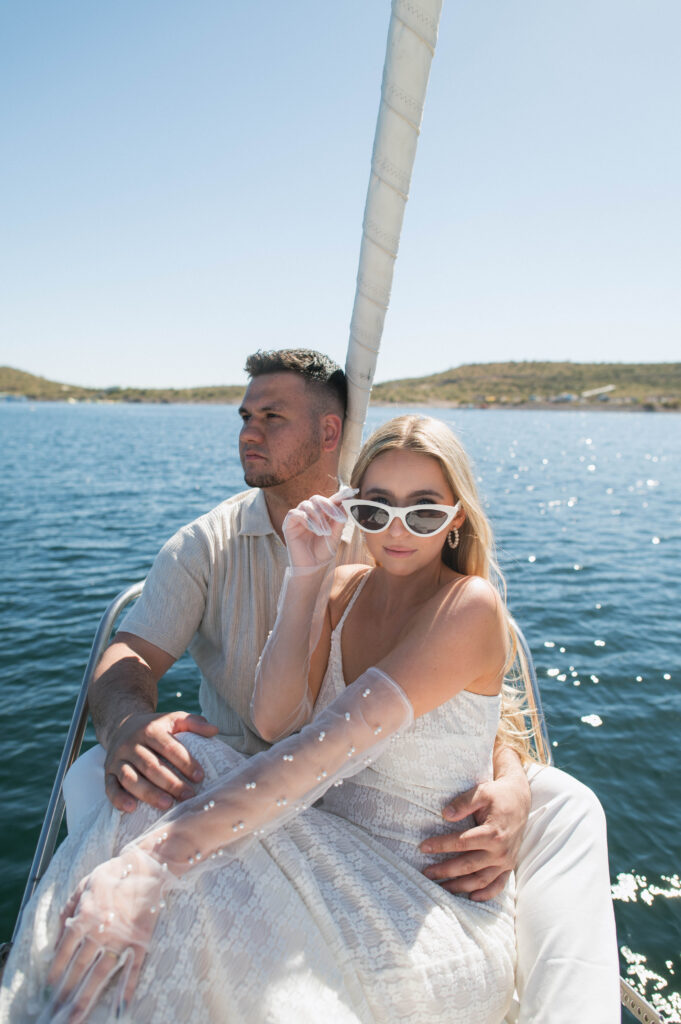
x,y
357,591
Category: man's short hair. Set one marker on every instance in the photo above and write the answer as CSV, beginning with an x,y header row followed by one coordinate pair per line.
x,y
316,369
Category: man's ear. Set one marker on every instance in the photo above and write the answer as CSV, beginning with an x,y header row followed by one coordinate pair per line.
x,y
332,431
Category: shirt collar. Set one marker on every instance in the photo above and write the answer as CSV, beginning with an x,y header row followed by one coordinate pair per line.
x,y
255,519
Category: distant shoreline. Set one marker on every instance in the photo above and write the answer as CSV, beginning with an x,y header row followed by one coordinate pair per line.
x,y
584,406
547,386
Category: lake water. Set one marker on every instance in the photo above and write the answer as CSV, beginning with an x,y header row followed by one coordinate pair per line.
x,y
587,513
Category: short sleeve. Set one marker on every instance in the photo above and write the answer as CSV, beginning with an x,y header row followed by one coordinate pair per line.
x,y
173,602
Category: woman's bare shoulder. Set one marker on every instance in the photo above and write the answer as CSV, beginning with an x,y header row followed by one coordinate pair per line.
x,y
467,606
471,593
457,641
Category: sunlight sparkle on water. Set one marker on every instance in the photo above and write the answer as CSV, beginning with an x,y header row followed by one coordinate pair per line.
x,y
630,887
594,720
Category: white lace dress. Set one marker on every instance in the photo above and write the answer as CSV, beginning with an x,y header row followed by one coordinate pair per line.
x,y
328,919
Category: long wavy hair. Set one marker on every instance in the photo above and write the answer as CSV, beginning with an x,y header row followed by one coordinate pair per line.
x,y
474,556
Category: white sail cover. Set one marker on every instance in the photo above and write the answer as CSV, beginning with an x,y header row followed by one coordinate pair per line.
x,y
412,36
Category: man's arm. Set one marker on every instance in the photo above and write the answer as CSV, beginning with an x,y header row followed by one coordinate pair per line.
x,y
144,761
486,853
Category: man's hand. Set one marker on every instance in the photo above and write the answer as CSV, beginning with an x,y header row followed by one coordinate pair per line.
x,y
486,853
145,762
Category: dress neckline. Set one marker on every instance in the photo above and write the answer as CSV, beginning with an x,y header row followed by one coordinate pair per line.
x,y
336,651
349,605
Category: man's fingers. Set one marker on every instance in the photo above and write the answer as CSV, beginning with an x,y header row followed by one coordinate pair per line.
x,y
463,805
136,784
450,842
121,800
481,886
478,881
458,867
153,766
183,721
479,837
176,753
493,889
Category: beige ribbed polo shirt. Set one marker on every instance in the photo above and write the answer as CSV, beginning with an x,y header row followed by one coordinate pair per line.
x,y
213,589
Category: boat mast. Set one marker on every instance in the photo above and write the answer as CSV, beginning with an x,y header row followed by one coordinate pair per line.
x,y
412,36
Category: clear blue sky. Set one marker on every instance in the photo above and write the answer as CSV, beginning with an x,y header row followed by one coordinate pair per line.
x,y
182,183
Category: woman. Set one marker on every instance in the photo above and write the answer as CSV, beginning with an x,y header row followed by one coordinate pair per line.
x,y
401,669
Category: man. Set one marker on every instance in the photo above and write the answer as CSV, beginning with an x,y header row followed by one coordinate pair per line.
x,y
214,588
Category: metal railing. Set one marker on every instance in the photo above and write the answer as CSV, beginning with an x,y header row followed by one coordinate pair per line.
x,y
55,808
536,711
636,1005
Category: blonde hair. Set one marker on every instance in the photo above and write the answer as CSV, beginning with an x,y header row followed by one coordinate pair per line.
x,y
474,556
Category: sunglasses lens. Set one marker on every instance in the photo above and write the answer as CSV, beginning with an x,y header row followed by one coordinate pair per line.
x,y
369,517
426,520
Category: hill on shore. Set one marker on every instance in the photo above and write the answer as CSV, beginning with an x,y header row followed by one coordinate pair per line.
x,y
648,385
18,384
533,384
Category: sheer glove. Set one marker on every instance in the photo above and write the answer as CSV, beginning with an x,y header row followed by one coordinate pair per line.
x,y
281,701
106,929
312,531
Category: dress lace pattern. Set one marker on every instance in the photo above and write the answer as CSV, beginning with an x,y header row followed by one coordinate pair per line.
x,y
329,918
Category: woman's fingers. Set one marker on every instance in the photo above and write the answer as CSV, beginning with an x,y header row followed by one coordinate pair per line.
x,y
316,517
312,531
87,974
323,514
131,973
105,965
69,907
67,946
344,492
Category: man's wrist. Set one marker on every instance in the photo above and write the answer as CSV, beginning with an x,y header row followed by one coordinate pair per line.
x,y
509,768
107,728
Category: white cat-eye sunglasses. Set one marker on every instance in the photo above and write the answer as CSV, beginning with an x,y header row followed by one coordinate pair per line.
x,y
421,520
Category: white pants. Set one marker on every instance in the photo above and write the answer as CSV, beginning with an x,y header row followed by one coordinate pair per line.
x,y
568,968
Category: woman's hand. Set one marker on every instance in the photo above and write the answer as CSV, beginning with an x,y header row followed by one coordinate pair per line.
x,y
312,531
107,925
